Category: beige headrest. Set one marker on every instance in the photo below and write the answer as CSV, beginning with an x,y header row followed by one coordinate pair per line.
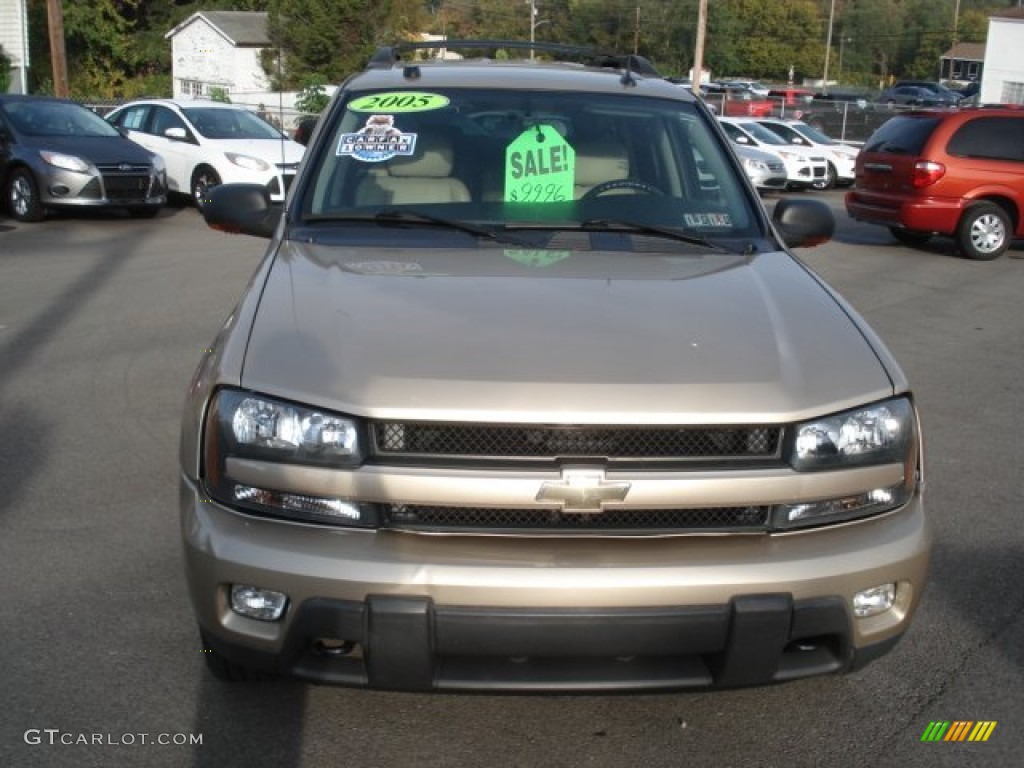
x,y
432,159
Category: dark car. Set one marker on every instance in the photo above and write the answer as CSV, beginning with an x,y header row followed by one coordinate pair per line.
x,y
916,96
954,173
941,93
56,153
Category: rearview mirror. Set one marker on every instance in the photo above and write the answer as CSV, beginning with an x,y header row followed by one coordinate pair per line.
x,y
176,133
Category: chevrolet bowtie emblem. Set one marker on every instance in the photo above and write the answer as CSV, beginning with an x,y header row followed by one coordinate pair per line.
x,y
582,490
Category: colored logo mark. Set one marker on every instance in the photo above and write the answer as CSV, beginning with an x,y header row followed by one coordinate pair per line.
x,y
958,730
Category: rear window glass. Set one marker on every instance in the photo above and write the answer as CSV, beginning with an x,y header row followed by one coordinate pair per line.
x,y
902,135
997,138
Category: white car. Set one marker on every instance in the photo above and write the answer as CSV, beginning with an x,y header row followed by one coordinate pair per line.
x,y
804,167
767,170
206,143
841,157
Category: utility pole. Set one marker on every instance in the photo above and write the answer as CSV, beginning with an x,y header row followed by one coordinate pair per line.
x,y
58,55
828,45
698,51
636,30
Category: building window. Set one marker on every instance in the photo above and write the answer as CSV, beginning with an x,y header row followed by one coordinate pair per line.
x,y
1013,93
192,88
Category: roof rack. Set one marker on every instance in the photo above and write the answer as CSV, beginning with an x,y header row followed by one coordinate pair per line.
x,y
387,56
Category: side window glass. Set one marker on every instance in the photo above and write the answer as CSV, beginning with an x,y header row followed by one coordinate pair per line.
x,y
163,118
990,137
134,119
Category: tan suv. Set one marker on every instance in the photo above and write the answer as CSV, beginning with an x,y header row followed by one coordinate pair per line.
x,y
528,394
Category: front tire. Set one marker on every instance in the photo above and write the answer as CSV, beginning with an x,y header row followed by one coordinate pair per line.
x,y
204,178
984,232
23,196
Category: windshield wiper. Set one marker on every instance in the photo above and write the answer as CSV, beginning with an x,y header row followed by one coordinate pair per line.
x,y
636,227
406,216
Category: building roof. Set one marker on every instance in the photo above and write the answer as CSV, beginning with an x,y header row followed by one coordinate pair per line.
x,y
966,52
240,28
1009,13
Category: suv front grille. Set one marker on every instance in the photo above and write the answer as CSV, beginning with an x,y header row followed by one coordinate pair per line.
x,y
416,441
751,519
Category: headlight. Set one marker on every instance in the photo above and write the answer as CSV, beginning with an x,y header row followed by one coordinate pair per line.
x,y
876,434
249,427
247,161
883,433
755,166
158,164
67,162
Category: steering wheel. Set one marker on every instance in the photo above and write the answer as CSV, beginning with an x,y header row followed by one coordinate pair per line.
x,y
607,186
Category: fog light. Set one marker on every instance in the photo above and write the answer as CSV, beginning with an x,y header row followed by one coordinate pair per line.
x,y
871,602
256,603
59,190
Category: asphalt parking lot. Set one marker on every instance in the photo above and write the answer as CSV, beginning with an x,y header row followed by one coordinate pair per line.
x,y
102,320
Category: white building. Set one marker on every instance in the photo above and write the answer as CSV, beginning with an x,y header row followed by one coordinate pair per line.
x,y
219,50
14,41
1002,80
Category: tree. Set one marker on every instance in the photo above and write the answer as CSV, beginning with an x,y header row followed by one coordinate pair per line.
x,y
313,97
334,38
5,71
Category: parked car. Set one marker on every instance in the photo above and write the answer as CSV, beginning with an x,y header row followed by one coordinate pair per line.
x,y
914,96
733,101
206,143
529,394
956,174
944,95
847,115
756,88
57,154
840,157
766,170
805,167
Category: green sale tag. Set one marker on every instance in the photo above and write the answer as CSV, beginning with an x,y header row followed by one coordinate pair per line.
x,y
539,167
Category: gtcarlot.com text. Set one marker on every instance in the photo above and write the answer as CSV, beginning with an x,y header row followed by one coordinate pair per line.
x,y
57,737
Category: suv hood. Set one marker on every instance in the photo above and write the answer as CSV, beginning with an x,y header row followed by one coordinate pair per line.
x,y
495,334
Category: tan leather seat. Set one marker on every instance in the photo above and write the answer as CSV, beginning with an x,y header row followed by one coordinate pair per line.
x,y
424,177
598,163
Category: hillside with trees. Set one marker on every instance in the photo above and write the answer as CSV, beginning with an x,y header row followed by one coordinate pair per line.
x,y
116,48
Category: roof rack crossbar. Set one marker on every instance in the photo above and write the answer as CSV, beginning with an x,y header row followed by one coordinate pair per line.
x,y
387,56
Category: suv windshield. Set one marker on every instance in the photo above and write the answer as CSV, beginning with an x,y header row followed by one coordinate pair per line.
x,y
505,159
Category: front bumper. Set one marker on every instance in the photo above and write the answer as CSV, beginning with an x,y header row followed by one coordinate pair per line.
x,y
503,613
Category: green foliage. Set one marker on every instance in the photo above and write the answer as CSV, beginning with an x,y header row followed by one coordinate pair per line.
x,y
313,97
5,71
220,94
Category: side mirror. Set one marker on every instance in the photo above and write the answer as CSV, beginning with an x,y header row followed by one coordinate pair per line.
x,y
241,209
178,134
803,223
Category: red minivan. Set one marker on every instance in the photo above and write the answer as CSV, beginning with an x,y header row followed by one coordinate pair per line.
x,y
958,174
